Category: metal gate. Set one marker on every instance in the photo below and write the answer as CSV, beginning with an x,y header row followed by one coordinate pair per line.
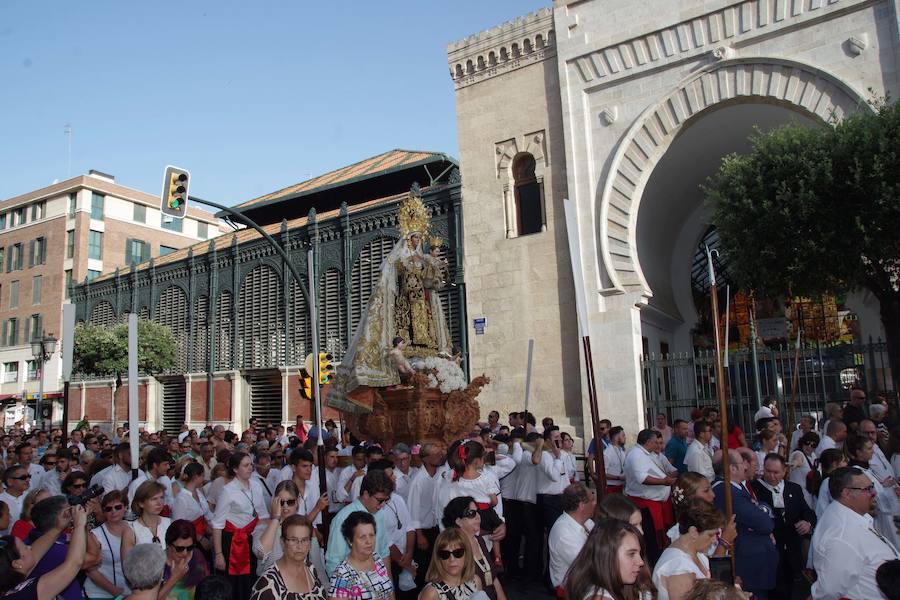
x,y
265,396
677,383
174,401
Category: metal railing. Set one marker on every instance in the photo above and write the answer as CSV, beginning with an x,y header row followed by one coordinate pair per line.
x,y
677,383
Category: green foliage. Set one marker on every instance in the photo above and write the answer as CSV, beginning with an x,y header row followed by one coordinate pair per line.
x,y
810,211
104,351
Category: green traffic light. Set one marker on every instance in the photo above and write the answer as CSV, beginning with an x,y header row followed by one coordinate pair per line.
x,y
174,203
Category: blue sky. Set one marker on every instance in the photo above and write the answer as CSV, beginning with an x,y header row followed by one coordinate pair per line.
x,y
250,96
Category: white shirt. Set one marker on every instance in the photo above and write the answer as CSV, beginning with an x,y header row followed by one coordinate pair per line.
x,y
308,498
640,464
571,466
826,443
186,507
764,412
51,482
37,475
824,500
677,562
567,536
777,492
113,478
880,464
237,504
341,492
110,563
331,482
15,508
421,500
614,461
397,522
552,479
697,459
846,553
526,479
401,486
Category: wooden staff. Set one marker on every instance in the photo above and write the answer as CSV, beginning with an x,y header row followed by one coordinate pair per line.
x,y
720,385
795,384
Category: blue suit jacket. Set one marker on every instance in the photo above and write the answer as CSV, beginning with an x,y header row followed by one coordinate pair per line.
x,y
755,554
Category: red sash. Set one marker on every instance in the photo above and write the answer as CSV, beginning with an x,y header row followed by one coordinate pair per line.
x,y
483,505
239,552
614,489
560,592
662,514
200,526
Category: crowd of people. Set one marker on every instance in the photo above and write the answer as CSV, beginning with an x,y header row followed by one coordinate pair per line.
x,y
231,516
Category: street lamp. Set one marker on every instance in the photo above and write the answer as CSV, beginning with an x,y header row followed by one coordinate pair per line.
x,y
42,349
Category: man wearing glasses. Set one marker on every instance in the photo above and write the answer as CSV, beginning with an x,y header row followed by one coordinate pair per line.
x,y
845,546
52,479
16,480
24,456
376,489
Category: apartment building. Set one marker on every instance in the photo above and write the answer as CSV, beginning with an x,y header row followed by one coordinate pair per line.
x,y
70,232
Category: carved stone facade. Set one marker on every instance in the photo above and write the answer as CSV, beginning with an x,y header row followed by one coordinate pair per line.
x,y
636,104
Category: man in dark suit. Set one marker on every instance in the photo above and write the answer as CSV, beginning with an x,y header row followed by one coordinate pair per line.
x,y
755,555
794,521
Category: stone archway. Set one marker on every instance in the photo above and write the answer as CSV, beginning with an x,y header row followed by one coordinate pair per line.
x,y
805,88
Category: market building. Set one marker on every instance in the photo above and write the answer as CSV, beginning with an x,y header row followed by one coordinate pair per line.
x,y
242,322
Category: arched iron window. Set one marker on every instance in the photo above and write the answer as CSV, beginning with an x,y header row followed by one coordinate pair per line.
x,y
332,320
201,335
225,335
260,335
172,311
529,209
103,314
301,338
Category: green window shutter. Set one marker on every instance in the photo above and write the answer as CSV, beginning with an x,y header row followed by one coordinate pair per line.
x,y
42,245
128,257
31,253
145,251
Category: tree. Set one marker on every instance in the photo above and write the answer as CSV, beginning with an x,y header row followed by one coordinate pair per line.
x,y
104,351
810,211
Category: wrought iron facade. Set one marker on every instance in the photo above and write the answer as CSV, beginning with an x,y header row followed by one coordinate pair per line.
x,y
236,307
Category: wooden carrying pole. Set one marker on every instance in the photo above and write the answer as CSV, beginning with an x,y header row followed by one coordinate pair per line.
x,y
795,384
720,384
581,310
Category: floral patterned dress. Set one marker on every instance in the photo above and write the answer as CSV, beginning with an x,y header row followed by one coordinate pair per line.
x,y
347,582
271,586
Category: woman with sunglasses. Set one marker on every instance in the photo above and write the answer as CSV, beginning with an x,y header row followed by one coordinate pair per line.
x,y
74,484
451,573
463,513
149,527
290,576
185,564
107,579
268,547
803,462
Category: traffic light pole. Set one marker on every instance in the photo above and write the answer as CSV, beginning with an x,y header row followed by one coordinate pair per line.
x,y
313,321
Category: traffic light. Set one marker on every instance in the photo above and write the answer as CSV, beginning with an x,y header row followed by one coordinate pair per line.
x,y
306,386
175,192
326,367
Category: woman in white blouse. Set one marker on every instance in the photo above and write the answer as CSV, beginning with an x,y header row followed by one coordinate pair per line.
x,y
685,561
190,503
149,527
267,547
240,507
803,461
107,580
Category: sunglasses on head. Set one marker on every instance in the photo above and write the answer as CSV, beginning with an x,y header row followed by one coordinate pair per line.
x,y
455,553
182,548
112,508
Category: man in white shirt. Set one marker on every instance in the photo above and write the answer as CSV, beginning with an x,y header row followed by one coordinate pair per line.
x,y
804,427
421,507
697,458
552,479
403,472
351,473
207,459
614,461
52,479
494,422
526,492
24,456
16,481
846,548
118,476
157,463
835,434
570,531
332,474
879,463
648,482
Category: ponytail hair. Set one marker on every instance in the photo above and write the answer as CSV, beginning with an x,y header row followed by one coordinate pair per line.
x,y
462,454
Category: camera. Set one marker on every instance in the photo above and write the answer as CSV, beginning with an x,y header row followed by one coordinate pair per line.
x,y
92,492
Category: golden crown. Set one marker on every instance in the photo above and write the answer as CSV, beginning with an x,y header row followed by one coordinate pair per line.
x,y
435,241
413,216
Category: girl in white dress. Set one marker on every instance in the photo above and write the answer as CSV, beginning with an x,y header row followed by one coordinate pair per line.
x,y
190,503
685,561
610,565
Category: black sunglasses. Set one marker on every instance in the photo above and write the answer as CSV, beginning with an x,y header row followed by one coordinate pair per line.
x,y
182,548
22,477
112,508
455,553
469,514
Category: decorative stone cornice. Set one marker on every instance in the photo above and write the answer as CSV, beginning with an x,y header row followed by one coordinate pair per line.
x,y
512,45
716,33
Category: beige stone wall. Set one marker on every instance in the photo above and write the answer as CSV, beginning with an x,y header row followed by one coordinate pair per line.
x,y
522,285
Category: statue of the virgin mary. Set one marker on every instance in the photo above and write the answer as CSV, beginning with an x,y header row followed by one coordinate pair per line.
x,y
405,303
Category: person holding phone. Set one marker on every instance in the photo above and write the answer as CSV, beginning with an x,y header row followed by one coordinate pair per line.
x,y
268,548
